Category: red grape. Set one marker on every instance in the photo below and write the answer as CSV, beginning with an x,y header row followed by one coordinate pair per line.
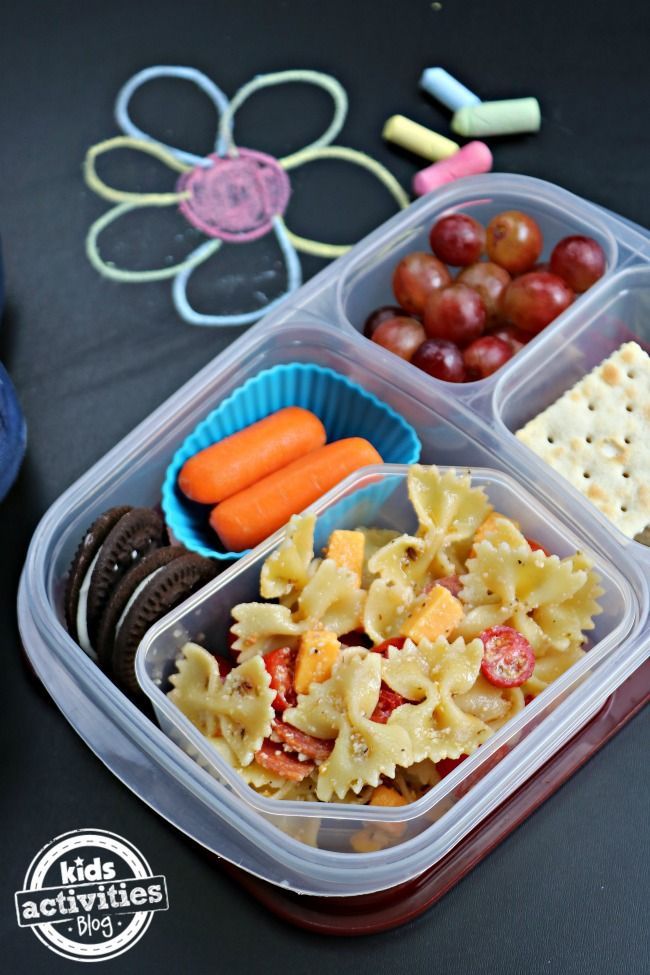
x,y
455,313
400,335
440,359
379,315
490,281
580,261
416,277
485,356
514,336
458,240
533,300
514,241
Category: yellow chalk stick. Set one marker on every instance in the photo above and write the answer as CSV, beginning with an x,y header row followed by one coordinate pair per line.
x,y
418,139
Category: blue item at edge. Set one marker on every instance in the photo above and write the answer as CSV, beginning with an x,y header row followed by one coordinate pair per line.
x,y
12,425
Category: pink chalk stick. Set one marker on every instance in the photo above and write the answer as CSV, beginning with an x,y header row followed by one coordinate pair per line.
x,y
472,159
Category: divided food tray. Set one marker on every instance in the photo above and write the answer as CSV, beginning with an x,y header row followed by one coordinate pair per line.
x,y
462,426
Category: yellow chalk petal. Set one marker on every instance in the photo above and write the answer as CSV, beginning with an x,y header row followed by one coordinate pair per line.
x,y
418,139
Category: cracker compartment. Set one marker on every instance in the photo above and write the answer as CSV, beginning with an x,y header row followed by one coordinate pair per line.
x,y
585,410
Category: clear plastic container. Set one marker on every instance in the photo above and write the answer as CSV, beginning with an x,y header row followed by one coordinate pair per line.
x,y
375,497
459,426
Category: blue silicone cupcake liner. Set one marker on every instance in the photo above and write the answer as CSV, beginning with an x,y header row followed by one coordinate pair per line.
x,y
345,409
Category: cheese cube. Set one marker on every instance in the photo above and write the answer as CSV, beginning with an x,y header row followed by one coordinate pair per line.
x,y
437,616
383,795
369,840
346,548
497,528
317,654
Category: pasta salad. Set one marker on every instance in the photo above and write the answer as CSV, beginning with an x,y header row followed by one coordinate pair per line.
x,y
369,670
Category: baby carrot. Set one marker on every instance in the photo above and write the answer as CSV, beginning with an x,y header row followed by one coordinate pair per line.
x,y
247,456
256,512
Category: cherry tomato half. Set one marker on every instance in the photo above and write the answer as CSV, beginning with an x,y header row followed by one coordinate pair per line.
x,y
394,641
536,547
281,664
508,658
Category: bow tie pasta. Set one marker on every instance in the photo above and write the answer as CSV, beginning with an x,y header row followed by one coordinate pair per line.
x,y
369,667
341,708
238,707
287,570
427,676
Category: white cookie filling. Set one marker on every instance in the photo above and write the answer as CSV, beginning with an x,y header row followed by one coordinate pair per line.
x,y
82,611
134,595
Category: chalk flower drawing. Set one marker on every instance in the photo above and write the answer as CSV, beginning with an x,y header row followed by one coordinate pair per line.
x,y
233,195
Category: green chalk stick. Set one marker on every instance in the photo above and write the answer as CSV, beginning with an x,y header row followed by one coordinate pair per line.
x,y
497,118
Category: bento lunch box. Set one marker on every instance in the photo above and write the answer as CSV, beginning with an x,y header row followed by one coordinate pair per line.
x,y
305,846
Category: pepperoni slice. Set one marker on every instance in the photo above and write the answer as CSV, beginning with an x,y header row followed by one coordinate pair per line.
x,y
394,641
281,664
388,701
275,759
508,658
316,748
452,583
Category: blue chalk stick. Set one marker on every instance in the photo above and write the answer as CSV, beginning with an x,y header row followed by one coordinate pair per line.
x,y
440,84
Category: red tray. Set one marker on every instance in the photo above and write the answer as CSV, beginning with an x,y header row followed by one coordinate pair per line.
x,y
370,913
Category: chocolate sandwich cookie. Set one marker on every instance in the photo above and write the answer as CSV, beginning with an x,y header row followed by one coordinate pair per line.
x,y
167,586
81,569
112,546
123,595
136,534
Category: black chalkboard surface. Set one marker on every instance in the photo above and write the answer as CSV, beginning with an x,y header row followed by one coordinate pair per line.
x,y
90,358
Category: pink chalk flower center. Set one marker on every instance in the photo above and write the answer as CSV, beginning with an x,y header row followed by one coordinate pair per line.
x,y
236,197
